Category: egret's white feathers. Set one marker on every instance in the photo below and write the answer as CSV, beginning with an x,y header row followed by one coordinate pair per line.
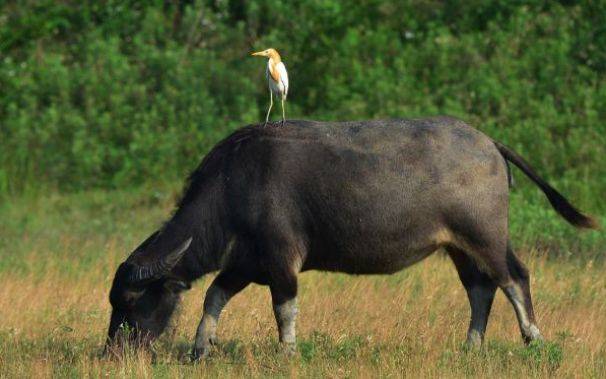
x,y
283,76
277,78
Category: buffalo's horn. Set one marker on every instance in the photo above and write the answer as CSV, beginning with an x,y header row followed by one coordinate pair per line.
x,y
156,269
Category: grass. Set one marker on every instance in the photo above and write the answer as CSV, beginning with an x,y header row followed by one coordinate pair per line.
x,y
58,254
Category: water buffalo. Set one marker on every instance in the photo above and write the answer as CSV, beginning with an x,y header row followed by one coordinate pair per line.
x,y
368,197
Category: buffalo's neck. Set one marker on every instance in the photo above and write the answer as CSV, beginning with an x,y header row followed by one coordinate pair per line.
x,y
203,219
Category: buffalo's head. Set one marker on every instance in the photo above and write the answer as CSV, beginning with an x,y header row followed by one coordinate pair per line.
x,y
143,298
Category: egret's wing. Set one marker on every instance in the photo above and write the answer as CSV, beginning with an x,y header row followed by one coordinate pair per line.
x,y
273,71
283,76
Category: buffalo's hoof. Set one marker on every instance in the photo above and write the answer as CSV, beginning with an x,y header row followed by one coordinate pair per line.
x,y
199,354
532,334
202,352
289,349
474,340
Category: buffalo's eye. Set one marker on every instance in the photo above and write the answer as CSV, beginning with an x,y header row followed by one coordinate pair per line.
x,y
130,297
124,299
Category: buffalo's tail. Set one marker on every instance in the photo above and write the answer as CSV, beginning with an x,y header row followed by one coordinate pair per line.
x,y
559,202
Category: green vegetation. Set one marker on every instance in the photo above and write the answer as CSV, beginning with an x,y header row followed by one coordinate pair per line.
x,y
116,94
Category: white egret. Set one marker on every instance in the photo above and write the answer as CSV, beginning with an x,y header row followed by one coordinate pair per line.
x,y
277,78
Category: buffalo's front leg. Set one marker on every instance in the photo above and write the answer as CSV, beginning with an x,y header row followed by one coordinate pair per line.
x,y
284,299
283,259
223,288
286,314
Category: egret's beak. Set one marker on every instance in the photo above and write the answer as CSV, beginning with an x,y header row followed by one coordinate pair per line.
x,y
258,54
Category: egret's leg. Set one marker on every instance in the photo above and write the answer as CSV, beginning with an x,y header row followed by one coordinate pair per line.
x,y
283,114
271,103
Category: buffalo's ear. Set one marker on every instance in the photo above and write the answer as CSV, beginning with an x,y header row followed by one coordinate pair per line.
x,y
176,286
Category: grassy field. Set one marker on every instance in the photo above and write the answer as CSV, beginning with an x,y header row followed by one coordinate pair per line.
x,y
58,254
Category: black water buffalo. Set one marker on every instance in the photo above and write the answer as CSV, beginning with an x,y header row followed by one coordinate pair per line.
x,y
367,197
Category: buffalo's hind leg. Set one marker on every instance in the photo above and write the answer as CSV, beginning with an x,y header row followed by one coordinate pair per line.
x,y
518,293
222,289
480,290
508,273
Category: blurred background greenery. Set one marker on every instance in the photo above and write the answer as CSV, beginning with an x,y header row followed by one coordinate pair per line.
x,y
112,95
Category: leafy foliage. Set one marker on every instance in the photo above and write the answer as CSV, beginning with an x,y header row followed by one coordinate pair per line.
x,y
116,93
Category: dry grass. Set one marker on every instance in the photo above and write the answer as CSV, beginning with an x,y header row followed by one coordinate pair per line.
x,y
58,255
408,324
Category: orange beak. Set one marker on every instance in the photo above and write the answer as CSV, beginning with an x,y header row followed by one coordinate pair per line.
x,y
258,54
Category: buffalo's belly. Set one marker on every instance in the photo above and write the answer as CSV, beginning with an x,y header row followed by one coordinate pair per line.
x,y
366,265
367,255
